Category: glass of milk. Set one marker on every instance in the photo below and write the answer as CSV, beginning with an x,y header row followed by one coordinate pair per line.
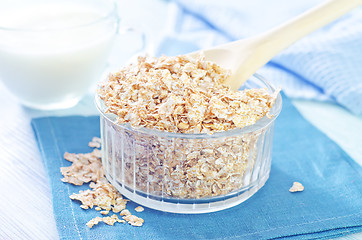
x,y
53,51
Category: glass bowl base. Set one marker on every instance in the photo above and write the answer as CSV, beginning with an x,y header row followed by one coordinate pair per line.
x,y
194,207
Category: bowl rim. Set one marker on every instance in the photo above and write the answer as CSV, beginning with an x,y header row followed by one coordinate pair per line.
x,y
262,123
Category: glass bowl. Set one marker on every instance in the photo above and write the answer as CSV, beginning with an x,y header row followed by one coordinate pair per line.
x,y
188,173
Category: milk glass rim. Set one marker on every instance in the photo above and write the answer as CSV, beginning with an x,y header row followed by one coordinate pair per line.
x,y
112,12
260,124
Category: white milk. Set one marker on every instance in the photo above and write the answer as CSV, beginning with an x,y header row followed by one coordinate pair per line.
x,y
53,68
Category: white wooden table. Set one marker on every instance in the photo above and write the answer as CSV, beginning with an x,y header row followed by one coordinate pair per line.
x,y
25,200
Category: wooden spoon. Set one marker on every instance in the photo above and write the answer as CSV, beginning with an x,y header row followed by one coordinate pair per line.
x,y
245,56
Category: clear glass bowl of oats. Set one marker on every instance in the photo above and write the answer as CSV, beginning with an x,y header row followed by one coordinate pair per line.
x,y
188,172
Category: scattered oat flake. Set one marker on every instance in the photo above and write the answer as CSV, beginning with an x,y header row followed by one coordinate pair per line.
x,y
84,206
125,212
85,168
133,220
137,223
139,209
109,220
297,187
95,143
118,208
94,221
101,195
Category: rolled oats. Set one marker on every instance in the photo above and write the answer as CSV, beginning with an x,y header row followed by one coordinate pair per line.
x,y
133,220
183,168
125,212
102,194
181,95
94,221
109,220
85,168
139,209
297,187
95,143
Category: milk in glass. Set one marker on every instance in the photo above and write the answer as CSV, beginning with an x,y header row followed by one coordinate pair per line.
x,y
51,54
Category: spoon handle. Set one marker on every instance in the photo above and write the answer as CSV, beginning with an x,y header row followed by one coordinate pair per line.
x,y
268,44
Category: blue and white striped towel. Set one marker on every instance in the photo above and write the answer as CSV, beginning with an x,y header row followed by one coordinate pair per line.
x,y
325,65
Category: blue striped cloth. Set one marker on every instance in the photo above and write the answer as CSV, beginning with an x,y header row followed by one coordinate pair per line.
x,y
325,65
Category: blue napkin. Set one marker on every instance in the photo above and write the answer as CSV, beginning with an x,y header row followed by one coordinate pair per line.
x,y
325,65
330,205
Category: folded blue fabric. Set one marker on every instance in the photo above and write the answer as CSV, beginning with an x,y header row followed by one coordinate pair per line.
x,y
326,65
330,205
